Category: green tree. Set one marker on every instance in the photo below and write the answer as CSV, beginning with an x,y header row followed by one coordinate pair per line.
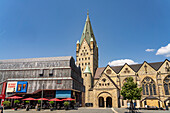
x,y
27,102
6,103
131,92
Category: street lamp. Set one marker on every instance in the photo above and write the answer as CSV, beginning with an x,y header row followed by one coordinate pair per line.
x,y
42,95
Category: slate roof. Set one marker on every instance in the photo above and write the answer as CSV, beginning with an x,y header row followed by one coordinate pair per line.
x,y
88,34
135,67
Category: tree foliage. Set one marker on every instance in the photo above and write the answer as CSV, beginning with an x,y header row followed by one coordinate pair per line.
x,y
16,101
130,90
27,101
51,102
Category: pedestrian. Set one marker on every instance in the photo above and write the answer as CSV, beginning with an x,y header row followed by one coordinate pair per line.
x,y
1,109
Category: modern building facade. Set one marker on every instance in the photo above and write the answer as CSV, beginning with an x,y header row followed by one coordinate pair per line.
x,y
57,77
103,85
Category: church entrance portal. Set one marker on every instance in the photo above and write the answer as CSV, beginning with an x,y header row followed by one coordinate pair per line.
x,y
101,102
108,102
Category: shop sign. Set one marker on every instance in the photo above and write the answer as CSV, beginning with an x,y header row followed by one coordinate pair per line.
x,y
11,86
22,87
63,94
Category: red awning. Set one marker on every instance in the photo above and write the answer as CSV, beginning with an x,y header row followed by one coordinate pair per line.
x,y
14,97
29,99
68,99
41,99
55,99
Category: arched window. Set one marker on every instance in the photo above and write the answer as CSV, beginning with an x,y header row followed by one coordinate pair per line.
x,y
167,85
148,86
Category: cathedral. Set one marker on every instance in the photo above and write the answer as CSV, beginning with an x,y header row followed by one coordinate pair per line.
x,y
103,85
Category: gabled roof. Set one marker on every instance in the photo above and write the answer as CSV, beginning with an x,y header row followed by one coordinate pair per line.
x,y
135,67
108,78
88,32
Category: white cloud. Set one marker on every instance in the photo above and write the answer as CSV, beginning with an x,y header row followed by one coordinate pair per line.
x,y
164,51
121,62
150,50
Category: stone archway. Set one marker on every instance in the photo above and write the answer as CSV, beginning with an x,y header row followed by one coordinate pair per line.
x,y
101,102
108,102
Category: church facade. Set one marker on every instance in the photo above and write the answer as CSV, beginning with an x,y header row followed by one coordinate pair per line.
x,y
103,85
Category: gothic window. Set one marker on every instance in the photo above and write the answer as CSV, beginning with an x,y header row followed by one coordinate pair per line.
x,y
148,86
167,85
108,71
104,80
125,80
167,68
126,70
145,69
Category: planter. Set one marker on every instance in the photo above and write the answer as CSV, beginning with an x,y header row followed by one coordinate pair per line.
x,y
15,108
27,109
38,109
51,109
66,107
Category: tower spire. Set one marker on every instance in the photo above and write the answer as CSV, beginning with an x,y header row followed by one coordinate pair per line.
x,y
87,32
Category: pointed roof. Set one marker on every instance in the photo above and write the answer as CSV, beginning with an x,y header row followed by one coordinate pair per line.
x,y
87,32
87,70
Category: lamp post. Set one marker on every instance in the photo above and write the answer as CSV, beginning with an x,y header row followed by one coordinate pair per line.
x,y
42,95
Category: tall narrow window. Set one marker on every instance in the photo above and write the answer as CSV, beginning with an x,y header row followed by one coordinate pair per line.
x,y
167,85
148,86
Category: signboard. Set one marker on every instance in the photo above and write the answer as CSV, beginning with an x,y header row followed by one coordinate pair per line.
x,y
22,87
3,88
11,87
63,94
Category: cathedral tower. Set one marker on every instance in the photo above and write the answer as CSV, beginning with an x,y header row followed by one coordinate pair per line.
x,y
87,49
87,57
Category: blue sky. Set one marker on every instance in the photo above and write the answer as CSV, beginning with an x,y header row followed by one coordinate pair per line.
x,y
124,29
